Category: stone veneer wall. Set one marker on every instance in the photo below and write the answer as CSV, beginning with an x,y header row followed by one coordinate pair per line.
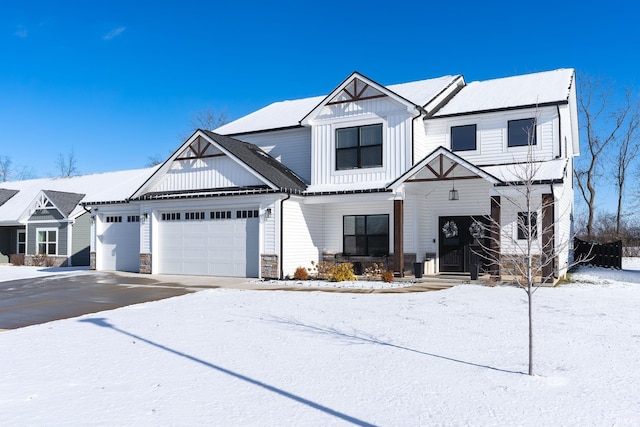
x,y
269,266
145,263
49,261
92,260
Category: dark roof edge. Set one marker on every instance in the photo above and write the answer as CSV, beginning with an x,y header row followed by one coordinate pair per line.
x,y
495,110
233,135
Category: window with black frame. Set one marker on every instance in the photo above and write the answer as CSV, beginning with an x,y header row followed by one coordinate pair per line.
x,y
463,138
521,133
366,235
359,147
523,225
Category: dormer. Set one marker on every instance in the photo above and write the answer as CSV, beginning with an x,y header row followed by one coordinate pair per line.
x,y
362,132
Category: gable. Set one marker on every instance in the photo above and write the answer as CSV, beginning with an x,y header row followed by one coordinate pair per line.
x,y
356,90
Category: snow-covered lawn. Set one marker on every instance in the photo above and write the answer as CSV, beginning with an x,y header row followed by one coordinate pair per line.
x,y
10,272
273,358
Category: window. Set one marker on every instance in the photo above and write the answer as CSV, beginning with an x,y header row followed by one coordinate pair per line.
x,y
190,216
523,225
22,242
366,235
133,218
114,219
47,241
359,147
247,214
220,215
171,216
463,138
522,133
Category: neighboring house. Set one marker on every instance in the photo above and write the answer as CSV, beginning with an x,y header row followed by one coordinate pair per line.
x,y
366,173
42,221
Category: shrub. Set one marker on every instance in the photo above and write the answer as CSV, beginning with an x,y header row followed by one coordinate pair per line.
x,y
39,260
342,272
373,271
322,270
17,259
301,274
387,276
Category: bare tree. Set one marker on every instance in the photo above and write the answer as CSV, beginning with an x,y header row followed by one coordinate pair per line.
x,y
5,168
208,119
601,122
154,160
67,165
627,150
525,248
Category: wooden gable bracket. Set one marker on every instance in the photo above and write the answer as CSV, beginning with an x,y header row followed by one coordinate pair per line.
x,y
356,93
442,174
197,149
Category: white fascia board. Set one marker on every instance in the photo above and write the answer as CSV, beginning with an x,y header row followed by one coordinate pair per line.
x,y
410,106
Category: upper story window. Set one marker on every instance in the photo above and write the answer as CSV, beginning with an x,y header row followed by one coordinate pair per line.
x,y
463,138
522,132
359,147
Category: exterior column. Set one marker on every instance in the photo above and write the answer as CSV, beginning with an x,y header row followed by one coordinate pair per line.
x,y
398,235
548,237
494,238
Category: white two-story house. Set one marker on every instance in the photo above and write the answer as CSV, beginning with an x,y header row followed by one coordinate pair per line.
x,y
399,174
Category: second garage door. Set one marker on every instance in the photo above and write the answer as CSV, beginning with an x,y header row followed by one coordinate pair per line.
x,y
218,243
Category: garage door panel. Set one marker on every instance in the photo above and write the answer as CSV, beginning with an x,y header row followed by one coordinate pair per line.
x,y
120,246
226,247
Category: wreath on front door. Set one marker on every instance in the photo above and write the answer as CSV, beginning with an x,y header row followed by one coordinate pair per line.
x,y
476,230
450,229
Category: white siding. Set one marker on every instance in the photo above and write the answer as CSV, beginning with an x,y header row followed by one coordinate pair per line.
x,y
429,201
563,214
291,147
419,140
214,172
302,235
510,204
492,147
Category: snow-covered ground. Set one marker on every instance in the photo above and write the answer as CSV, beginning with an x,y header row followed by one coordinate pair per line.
x,y
9,272
272,358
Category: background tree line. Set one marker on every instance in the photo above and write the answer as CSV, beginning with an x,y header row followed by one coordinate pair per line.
x,y
608,167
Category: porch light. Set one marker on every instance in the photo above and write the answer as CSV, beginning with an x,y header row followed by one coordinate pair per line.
x,y
267,213
145,217
453,194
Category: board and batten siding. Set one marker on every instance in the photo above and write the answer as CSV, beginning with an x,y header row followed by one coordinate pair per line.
x,y
291,147
214,172
302,235
492,130
396,144
80,240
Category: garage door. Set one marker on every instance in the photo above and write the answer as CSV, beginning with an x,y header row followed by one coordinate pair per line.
x,y
209,243
119,243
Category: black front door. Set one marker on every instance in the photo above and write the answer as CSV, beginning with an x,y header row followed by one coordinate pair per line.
x,y
458,248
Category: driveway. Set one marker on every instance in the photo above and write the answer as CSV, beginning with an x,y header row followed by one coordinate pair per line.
x,y
31,301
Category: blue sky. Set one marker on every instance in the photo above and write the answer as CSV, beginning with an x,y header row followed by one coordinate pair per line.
x,y
117,82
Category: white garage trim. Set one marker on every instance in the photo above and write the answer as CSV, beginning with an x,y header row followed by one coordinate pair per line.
x,y
118,243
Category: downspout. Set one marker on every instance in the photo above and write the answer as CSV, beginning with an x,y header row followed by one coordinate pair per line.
x,y
282,234
559,133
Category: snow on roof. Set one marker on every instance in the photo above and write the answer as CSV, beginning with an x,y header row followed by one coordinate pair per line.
x,y
109,186
289,113
550,170
516,91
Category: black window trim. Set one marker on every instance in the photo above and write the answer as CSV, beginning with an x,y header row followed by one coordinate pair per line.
x,y
359,147
522,222
366,251
475,137
535,131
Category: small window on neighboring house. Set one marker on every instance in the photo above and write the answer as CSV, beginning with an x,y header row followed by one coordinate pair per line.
x,y
22,242
359,147
522,132
47,241
114,219
366,235
523,225
463,138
